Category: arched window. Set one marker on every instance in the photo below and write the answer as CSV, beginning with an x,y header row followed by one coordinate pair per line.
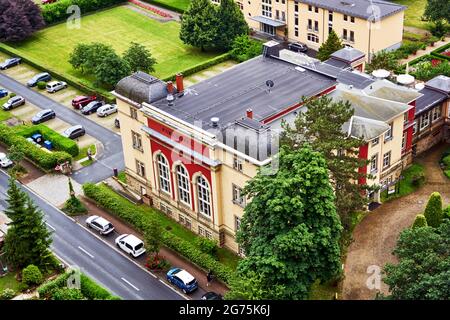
x,y
313,38
164,173
204,202
183,185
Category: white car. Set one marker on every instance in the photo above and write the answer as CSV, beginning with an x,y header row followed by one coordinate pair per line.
x,y
5,162
100,224
106,110
130,244
55,86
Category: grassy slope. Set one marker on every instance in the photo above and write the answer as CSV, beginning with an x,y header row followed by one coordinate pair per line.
x,y
413,14
117,27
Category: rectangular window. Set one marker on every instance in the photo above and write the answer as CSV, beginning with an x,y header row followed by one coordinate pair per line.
x,y
267,8
330,16
424,120
296,7
277,14
137,141
374,163
345,34
330,28
185,221
237,164
388,134
238,197
316,26
352,36
140,168
237,223
387,160
283,16
415,128
316,9
310,8
405,118
352,19
375,141
296,19
345,17
404,141
133,113
296,31
283,1
436,113
309,24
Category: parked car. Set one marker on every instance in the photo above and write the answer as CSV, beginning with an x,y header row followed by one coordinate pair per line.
x,y
8,63
130,244
82,101
100,224
45,76
74,132
55,86
43,116
5,162
212,296
182,279
3,93
13,102
37,138
298,47
92,107
106,110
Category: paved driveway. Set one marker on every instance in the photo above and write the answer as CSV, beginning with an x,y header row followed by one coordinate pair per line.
x,y
376,236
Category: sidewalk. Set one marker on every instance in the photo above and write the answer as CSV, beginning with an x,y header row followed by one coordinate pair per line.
x,y
173,258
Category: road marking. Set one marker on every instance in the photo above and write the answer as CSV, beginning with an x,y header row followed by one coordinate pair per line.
x,y
90,255
131,285
50,226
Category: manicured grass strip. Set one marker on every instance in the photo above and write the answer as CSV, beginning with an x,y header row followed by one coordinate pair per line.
x,y
4,115
9,281
174,5
414,13
83,152
178,238
407,185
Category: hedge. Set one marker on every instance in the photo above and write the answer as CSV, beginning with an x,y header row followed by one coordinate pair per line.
x,y
427,57
60,142
438,51
72,81
164,5
137,217
57,11
45,160
201,66
47,288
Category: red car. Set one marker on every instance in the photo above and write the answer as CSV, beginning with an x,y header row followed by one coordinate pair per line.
x,y
81,101
48,1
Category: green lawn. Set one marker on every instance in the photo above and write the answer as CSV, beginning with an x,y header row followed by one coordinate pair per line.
x,y
118,27
179,4
414,13
406,186
4,115
83,152
122,177
9,281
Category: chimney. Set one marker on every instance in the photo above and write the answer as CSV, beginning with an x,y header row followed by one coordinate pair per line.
x,y
169,87
179,80
249,113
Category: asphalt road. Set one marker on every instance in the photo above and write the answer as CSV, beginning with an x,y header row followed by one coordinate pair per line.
x,y
79,247
112,156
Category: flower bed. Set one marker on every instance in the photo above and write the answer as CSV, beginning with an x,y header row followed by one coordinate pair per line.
x,y
152,9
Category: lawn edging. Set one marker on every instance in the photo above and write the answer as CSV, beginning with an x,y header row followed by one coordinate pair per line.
x,y
438,51
164,5
74,82
139,218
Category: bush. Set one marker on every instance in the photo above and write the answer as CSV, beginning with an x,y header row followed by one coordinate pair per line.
x,y
439,52
418,179
157,262
92,290
446,213
31,275
12,95
427,70
206,245
139,218
41,85
60,142
67,294
7,294
74,206
46,290
433,210
420,221
245,48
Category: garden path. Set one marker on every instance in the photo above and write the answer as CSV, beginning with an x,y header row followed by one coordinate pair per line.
x,y
427,50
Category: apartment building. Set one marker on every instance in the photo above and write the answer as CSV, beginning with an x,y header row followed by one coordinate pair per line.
x,y
367,25
190,151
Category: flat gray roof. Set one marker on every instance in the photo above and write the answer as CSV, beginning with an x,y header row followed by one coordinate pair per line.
x,y
430,99
348,54
229,94
365,9
270,22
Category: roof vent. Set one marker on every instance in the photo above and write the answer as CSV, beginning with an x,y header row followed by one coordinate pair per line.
x,y
215,122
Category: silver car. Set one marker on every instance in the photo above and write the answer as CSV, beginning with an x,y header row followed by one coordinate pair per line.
x,y
55,86
13,103
100,224
106,110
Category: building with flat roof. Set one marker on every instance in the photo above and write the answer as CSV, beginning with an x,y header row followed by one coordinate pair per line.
x,y
190,151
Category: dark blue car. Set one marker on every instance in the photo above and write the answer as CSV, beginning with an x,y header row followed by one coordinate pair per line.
x,y
3,93
182,279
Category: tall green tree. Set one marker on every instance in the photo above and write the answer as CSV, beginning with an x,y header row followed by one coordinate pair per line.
x,y
330,46
383,60
199,24
438,11
231,23
253,286
139,58
27,240
153,236
245,48
80,55
321,126
111,70
423,270
433,210
290,232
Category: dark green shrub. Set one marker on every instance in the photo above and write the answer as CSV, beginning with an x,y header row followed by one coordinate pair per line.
x,y
46,290
433,210
7,294
41,85
67,294
245,48
31,275
92,290
74,206
420,221
206,245
418,179
12,95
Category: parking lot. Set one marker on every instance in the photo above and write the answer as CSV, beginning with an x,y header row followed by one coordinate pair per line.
x,y
23,72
